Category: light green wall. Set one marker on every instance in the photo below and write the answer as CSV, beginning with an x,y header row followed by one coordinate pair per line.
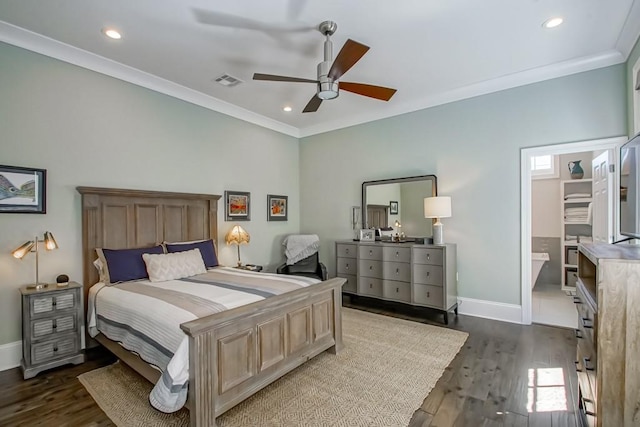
x,y
473,147
631,61
88,129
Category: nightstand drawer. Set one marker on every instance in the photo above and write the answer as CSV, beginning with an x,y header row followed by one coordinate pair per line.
x,y
346,251
431,256
50,350
44,327
427,274
396,291
396,254
396,271
370,287
369,268
51,302
428,295
347,266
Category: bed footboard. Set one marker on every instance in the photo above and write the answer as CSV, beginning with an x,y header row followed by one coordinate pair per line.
x,y
236,353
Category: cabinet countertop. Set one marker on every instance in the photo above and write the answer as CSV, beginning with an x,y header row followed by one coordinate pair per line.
x,y
51,287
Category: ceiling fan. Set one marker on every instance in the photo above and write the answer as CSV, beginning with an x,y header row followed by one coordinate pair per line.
x,y
328,86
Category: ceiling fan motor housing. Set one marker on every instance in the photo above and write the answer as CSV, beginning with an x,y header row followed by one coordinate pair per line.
x,y
327,89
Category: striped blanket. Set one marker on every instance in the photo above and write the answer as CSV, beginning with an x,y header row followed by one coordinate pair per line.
x,y
145,317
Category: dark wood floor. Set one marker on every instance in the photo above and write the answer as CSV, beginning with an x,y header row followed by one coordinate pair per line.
x,y
487,384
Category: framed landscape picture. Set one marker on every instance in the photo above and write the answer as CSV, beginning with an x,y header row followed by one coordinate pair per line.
x,y
23,190
277,208
393,208
237,206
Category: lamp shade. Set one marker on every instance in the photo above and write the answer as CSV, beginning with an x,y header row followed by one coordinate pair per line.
x,y
49,241
437,207
237,235
24,249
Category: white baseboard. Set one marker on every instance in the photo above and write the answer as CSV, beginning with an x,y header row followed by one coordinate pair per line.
x,y
10,355
511,313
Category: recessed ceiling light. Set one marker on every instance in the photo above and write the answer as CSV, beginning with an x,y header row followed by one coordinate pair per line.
x,y
111,33
552,22
287,109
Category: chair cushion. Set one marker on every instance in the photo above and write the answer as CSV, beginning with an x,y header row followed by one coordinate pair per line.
x,y
307,265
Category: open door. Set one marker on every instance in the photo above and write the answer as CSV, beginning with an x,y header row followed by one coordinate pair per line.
x,y
602,206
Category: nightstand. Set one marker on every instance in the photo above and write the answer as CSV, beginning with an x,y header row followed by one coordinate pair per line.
x,y
52,320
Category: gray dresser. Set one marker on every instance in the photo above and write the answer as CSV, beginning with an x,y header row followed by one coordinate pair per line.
x,y
52,319
415,274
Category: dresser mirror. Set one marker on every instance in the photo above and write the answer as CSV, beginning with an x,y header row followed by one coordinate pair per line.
x,y
387,203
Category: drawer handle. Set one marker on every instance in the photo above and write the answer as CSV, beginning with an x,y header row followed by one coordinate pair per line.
x,y
578,334
428,256
587,366
346,251
397,254
371,267
54,302
54,325
576,300
427,274
55,348
397,290
347,267
397,271
370,285
370,252
584,323
428,294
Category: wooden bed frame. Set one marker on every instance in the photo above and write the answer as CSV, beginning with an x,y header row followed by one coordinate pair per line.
x,y
232,354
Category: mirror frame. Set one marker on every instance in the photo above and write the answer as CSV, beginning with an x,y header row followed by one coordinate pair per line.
x,y
367,184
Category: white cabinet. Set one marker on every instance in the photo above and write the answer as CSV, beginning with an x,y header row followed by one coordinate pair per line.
x,y
576,195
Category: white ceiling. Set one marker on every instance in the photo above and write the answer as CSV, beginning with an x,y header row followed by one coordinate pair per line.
x,y
433,52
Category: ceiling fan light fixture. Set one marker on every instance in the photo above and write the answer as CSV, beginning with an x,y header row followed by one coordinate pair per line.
x,y
111,33
328,90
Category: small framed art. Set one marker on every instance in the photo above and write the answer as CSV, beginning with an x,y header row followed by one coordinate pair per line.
x,y
367,235
278,208
393,208
23,190
237,206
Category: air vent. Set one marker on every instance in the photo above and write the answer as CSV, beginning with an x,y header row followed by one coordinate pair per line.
x,y
228,81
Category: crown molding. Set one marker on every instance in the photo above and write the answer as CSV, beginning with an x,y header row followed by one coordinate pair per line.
x,y
630,31
510,81
29,40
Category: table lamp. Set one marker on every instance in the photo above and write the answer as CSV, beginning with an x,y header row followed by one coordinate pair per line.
x,y
32,246
238,236
437,207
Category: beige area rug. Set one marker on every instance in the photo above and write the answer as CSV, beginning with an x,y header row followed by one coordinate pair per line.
x,y
384,373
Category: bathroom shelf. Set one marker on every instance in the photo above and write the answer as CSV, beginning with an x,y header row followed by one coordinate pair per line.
x,y
569,248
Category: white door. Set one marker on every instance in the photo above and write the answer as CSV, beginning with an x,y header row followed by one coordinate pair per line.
x,y
602,206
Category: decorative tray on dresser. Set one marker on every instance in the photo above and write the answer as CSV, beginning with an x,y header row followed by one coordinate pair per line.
x,y
608,350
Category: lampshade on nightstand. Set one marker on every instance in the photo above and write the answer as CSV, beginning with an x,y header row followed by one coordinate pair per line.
x,y
237,235
437,207
32,246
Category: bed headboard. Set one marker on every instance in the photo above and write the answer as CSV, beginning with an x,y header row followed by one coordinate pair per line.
x,y
120,219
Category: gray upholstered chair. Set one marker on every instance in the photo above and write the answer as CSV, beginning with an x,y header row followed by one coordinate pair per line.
x,y
309,267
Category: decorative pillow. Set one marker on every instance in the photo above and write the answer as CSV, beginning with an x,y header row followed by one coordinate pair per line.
x,y
207,250
174,266
121,265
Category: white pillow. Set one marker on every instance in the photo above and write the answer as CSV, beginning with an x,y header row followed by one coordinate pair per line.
x,y
162,267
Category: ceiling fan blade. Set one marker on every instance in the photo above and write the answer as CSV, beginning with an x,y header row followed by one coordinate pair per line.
x,y
313,105
377,92
275,78
220,19
350,53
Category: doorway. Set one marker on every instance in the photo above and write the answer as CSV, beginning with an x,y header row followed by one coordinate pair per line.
x,y
526,156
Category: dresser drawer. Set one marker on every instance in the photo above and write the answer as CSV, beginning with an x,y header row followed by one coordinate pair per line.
x,y
43,327
396,254
370,286
428,295
51,302
369,268
427,274
396,271
370,252
351,285
346,250
396,291
347,266
50,350
433,256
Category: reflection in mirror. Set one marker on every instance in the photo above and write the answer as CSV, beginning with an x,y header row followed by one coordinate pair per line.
x,y
398,203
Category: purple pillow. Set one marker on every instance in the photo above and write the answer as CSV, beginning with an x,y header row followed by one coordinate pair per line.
x,y
206,249
122,265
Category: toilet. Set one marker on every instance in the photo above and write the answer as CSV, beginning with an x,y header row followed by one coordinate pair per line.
x,y
537,261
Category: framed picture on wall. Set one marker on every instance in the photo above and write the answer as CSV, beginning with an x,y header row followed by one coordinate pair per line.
x,y
237,206
393,208
23,190
277,207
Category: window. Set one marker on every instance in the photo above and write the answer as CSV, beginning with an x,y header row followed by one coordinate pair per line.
x,y
544,167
